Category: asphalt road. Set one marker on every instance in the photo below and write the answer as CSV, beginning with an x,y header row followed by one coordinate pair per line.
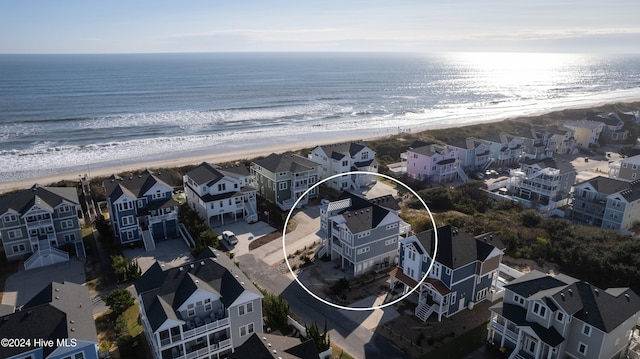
x,y
345,332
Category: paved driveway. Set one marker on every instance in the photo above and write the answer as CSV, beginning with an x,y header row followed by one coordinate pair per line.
x,y
22,286
245,233
172,253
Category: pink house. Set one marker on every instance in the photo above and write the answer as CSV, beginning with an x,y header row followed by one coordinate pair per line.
x,y
434,162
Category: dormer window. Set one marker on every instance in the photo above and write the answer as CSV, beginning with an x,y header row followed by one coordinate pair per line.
x,y
64,209
539,309
560,317
157,195
10,218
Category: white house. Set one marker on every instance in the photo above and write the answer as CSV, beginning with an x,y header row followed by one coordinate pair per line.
x,y
345,157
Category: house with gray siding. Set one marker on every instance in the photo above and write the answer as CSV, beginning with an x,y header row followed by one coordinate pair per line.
x,y
546,181
221,194
203,309
39,221
345,157
283,179
61,313
465,270
362,233
552,317
142,208
627,169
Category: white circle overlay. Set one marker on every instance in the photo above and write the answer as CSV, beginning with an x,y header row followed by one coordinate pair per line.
x,y
360,309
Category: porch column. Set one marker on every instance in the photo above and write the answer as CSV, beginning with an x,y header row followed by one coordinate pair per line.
x,y
491,314
538,347
550,352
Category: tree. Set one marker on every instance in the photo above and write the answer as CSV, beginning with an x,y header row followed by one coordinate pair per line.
x,y
321,340
276,310
119,300
126,269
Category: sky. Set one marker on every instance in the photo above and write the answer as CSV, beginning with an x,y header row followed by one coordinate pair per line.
x,y
149,26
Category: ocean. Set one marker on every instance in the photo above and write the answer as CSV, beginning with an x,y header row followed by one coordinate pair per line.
x,y
66,113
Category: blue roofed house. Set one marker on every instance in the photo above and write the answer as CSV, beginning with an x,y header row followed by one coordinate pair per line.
x,y
551,317
465,270
39,221
61,313
142,208
203,309
221,193
363,233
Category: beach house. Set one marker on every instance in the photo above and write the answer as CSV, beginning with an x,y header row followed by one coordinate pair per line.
x,y
434,162
270,346
141,208
614,130
547,181
363,233
61,314
345,157
202,309
544,317
473,153
627,169
558,139
465,271
221,194
283,179
41,221
587,133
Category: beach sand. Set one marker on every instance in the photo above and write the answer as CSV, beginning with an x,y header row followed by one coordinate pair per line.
x,y
256,152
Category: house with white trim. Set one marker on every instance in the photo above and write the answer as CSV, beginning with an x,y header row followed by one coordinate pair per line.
x,y
465,271
40,220
142,208
284,178
553,317
221,194
345,157
586,132
434,162
627,169
547,181
202,309
363,233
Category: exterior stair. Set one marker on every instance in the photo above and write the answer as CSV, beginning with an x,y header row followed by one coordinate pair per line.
x,y
44,257
149,243
463,176
423,311
251,215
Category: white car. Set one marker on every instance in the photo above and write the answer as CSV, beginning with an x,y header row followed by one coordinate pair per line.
x,y
230,237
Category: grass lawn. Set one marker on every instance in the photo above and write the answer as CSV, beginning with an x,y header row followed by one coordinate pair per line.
x,y
461,346
338,353
132,314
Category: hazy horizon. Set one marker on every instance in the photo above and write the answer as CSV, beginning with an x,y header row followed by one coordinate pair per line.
x,y
118,27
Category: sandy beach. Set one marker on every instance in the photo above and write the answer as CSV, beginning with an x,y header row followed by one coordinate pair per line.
x,y
226,156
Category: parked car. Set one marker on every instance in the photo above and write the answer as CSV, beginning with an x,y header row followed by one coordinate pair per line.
x,y
230,237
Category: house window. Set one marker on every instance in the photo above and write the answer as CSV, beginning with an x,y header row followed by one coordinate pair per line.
x,y
16,233
539,309
560,317
191,310
78,356
365,155
207,305
18,248
482,294
390,241
364,234
412,255
69,237
157,195
312,180
130,234
634,167
222,187
586,330
246,308
453,297
10,218
282,186
126,221
345,163
582,348
633,175
392,226
447,271
247,329
364,250
64,209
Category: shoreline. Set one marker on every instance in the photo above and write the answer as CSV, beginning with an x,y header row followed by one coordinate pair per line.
x,y
238,155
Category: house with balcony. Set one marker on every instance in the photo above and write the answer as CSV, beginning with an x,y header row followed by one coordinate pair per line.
x,y
586,132
627,169
345,157
473,153
434,162
203,309
221,194
142,208
465,271
548,181
614,130
284,178
590,199
39,221
547,317
61,313
622,211
558,139
362,233
505,149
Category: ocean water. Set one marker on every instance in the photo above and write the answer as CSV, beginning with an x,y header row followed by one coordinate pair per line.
x,y
65,113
